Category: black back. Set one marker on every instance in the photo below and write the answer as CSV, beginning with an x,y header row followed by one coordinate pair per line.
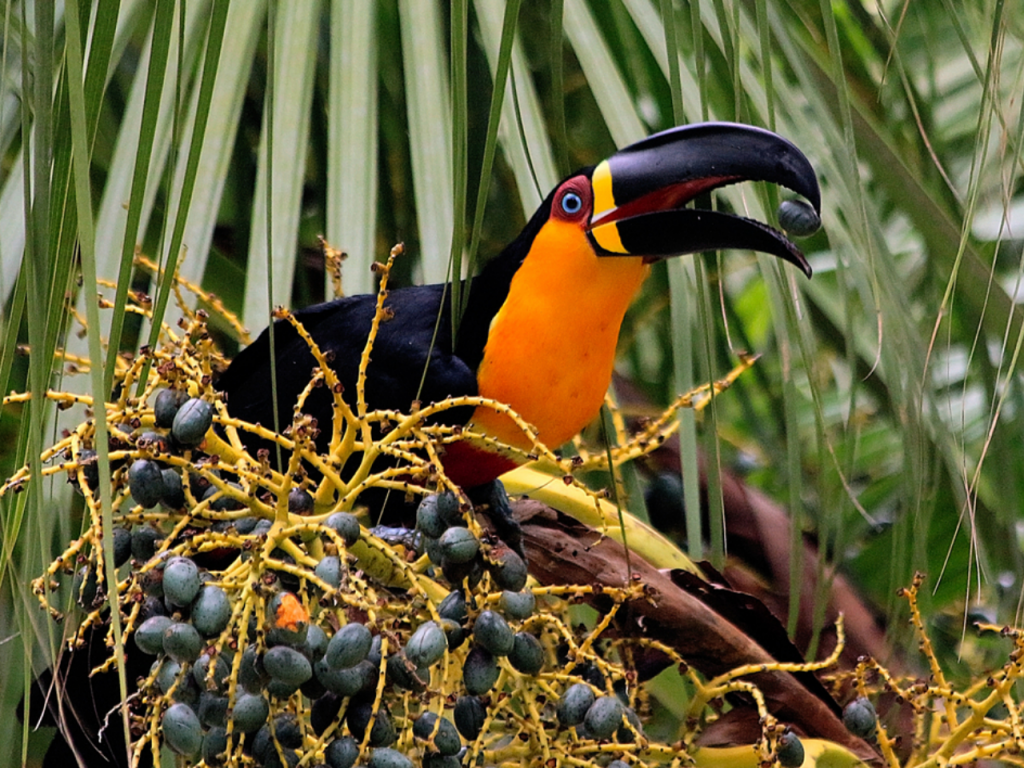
x,y
405,347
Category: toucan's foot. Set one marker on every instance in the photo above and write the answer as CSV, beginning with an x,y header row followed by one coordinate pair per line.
x,y
409,538
495,498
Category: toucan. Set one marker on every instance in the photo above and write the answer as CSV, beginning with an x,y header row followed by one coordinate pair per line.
x,y
542,318
538,333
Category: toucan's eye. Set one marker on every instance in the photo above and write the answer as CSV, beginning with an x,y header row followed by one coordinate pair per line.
x,y
571,203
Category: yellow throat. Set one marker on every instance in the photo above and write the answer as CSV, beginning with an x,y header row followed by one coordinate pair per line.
x,y
551,347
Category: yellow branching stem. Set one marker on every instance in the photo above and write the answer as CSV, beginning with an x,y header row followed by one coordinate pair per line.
x,y
235,513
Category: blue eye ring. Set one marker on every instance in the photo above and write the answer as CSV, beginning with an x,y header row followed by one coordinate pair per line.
x,y
571,203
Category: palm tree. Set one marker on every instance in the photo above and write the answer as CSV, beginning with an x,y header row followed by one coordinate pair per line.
x,y
222,138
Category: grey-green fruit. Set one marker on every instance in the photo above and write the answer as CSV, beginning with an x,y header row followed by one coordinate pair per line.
x,y
153,442
181,581
221,673
458,545
329,570
213,709
300,502
182,642
174,492
427,644
243,525
144,539
860,719
181,729
798,218
437,760
349,646
790,750
358,717
279,689
316,643
324,712
224,502
146,482
342,753
448,507
250,712
428,518
469,716
263,746
446,739
493,633
152,583
383,757
507,568
454,633
432,548
517,605
287,730
84,586
374,656
480,671
347,682
527,654
211,611
167,673
463,573
149,637
624,734
346,525
287,734
192,421
312,689
252,675
122,546
574,704
405,674
287,665
453,607
86,459
604,717
215,743
166,406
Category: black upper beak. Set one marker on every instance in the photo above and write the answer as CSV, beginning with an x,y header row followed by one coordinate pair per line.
x,y
640,192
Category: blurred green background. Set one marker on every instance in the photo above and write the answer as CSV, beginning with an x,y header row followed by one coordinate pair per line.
x,y
223,137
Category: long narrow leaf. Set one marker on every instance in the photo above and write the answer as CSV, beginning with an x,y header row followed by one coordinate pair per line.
x,y
352,140
295,57
429,123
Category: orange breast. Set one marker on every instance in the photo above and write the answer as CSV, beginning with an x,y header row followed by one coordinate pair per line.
x,y
551,347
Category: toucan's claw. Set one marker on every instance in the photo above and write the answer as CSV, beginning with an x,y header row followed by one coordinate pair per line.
x,y
505,525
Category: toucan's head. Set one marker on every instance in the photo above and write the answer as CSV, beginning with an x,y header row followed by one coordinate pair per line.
x,y
514,334
632,204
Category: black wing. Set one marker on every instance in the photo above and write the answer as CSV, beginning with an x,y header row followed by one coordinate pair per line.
x,y
401,353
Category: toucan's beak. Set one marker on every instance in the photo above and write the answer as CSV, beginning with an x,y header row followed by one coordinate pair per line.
x,y
640,192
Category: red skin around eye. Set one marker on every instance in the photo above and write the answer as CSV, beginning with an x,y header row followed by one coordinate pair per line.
x,y
580,185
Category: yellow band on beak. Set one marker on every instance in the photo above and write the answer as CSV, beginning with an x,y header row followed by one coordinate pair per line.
x,y
601,184
606,235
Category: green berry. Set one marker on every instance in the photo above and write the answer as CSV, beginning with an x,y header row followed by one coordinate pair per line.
x,y
181,730
790,750
427,644
349,646
192,421
574,704
604,717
